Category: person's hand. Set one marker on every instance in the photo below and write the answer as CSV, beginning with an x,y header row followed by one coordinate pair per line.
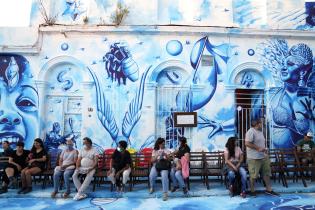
x,y
117,174
19,167
109,172
261,149
31,161
63,167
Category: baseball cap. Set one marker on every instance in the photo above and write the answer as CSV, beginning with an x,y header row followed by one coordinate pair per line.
x,y
309,134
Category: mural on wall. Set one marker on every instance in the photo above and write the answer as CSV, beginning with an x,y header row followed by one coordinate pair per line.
x,y
74,8
193,98
292,110
209,79
107,116
19,100
310,11
119,64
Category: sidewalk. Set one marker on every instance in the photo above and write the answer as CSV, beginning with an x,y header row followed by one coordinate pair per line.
x,y
198,198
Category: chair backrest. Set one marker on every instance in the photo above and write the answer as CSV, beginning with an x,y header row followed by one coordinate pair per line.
x,y
143,158
107,155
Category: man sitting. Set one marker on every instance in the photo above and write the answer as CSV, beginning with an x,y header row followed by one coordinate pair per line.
x,y
86,163
306,145
120,166
17,162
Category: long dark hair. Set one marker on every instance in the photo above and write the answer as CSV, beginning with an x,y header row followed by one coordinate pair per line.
x,y
230,145
40,141
158,142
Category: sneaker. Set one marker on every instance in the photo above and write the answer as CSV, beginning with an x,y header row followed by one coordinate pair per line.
x,y
151,190
82,196
253,194
185,191
3,190
53,194
243,194
65,195
174,189
165,196
272,193
76,197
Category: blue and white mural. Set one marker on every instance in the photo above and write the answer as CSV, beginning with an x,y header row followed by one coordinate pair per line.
x,y
292,105
19,100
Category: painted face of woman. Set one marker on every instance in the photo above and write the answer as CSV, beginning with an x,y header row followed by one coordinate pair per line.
x,y
290,72
18,101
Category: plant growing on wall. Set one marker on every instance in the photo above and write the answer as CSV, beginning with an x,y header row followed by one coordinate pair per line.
x,y
120,13
49,20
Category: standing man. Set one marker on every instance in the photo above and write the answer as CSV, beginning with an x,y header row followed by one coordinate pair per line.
x,y
257,158
120,166
86,164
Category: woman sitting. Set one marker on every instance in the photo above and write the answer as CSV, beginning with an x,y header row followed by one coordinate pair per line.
x,y
233,158
181,160
36,164
159,153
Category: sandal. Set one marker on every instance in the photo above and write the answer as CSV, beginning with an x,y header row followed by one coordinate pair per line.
x,y
53,194
65,195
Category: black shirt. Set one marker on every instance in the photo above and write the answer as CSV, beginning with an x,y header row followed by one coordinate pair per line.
x,y
38,155
182,151
20,159
120,160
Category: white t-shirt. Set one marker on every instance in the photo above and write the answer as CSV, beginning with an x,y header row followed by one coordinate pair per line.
x,y
88,157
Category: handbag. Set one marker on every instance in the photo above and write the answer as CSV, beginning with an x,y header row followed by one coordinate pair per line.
x,y
163,164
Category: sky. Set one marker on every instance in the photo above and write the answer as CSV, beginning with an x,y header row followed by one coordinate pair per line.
x,y
15,13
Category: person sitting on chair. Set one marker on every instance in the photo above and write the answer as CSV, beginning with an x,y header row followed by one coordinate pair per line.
x,y
17,162
306,145
120,166
176,172
36,164
67,161
159,153
233,156
86,164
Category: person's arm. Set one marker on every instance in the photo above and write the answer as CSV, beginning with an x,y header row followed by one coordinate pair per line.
x,y
61,160
78,163
154,157
240,162
255,147
42,159
187,155
14,163
228,162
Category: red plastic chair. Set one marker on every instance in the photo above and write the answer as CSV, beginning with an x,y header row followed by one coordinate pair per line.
x,y
145,157
107,155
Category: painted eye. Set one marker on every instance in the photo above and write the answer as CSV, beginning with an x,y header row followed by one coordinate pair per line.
x,y
26,104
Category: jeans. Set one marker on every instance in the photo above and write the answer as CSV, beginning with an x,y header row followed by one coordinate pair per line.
x,y
231,177
66,177
177,178
82,187
153,175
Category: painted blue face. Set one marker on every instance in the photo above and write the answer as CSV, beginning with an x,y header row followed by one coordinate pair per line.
x,y
18,101
291,70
